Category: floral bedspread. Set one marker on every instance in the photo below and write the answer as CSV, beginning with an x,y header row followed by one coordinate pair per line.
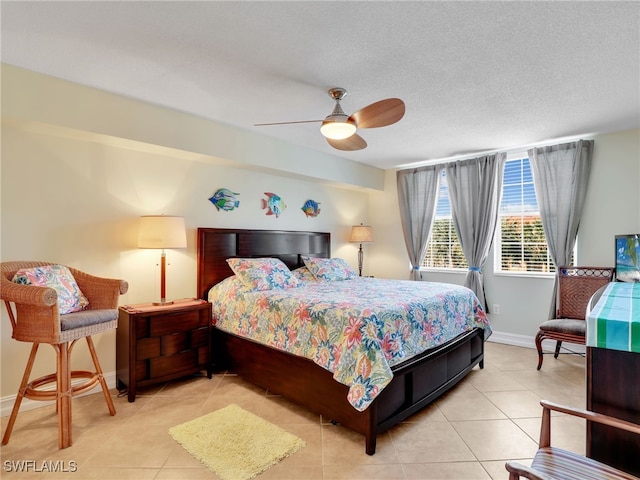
x,y
357,329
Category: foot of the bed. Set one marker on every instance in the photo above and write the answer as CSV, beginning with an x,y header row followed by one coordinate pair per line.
x,y
370,445
481,363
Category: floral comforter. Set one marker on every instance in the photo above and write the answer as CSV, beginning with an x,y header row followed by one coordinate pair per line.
x,y
357,329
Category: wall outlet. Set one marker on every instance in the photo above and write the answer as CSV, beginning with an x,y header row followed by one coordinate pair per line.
x,y
495,308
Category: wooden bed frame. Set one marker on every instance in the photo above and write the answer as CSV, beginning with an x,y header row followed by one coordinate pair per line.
x,y
416,382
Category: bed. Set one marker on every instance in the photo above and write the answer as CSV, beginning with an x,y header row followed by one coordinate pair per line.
x,y
413,383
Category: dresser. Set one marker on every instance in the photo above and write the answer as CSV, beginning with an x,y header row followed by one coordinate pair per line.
x,y
613,374
160,343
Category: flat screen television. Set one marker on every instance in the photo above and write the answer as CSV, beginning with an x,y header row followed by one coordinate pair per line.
x,y
628,258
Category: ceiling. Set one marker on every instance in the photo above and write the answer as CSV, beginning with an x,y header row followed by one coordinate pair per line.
x,y
475,76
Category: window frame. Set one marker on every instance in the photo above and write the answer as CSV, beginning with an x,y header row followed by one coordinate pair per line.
x,y
496,249
497,237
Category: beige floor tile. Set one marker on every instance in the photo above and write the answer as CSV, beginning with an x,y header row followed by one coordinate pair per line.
x,y
493,380
351,471
341,446
427,443
491,416
567,432
445,471
468,404
518,404
496,439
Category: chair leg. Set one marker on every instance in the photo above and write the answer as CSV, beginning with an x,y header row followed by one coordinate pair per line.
x,y
21,392
539,337
557,352
103,383
63,402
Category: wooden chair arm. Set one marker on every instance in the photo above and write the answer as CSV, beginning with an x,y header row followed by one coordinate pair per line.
x,y
101,292
27,294
592,417
517,470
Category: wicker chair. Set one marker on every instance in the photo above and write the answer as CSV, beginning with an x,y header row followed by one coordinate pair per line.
x,y
576,285
551,463
33,311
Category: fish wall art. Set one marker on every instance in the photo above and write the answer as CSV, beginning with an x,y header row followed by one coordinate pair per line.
x,y
225,199
273,204
311,208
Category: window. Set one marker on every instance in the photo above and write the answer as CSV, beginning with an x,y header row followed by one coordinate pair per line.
x,y
520,244
443,249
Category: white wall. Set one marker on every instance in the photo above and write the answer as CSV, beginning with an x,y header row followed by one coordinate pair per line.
x,y
612,206
74,197
78,202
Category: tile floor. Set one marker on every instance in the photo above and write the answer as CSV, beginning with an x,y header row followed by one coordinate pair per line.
x,y
491,416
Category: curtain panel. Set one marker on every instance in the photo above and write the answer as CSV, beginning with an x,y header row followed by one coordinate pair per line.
x,y
560,178
417,194
475,189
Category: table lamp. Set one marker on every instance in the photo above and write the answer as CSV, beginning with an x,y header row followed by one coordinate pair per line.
x,y
162,231
361,234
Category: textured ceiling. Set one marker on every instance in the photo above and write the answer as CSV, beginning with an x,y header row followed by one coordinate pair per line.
x,y
475,76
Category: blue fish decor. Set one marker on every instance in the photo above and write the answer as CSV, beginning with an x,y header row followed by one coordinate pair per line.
x,y
311,208
224,199
273,204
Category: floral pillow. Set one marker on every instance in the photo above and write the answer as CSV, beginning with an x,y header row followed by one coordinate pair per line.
x,y
263,273
58,277
329,269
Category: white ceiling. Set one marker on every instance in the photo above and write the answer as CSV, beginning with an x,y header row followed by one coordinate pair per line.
x,y
475,76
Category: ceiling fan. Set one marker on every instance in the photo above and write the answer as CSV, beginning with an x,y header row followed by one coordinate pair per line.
x,y
340,129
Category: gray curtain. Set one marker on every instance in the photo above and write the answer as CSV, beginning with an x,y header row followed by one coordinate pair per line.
x,y
417,195
475,188
560,178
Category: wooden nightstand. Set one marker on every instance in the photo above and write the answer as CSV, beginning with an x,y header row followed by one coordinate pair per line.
x,y
160,343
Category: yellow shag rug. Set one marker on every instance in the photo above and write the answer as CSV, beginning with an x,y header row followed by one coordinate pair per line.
x,y
235,443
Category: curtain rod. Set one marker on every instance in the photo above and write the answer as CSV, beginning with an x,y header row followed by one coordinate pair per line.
x,y
508,151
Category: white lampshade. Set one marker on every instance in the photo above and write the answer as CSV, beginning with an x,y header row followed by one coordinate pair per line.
x,y
361,234
337,127
162,231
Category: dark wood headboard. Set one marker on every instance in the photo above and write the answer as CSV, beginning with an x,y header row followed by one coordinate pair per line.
x,y
215,245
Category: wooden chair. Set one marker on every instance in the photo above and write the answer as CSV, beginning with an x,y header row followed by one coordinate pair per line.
x,y
551,463
33,311
576,285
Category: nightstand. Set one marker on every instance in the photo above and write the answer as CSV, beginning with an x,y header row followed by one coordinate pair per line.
x,y
159,343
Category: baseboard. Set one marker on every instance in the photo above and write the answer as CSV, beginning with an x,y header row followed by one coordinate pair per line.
x,y
6,403
514,339
529,342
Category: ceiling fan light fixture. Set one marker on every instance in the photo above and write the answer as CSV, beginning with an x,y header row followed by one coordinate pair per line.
x,y
337,127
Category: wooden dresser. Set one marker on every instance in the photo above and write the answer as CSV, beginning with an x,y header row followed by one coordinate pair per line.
x,y
613,374
160,343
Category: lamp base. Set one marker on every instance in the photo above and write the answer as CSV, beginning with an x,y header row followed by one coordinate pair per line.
x,y
161,303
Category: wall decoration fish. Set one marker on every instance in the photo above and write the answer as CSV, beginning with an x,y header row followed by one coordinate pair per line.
x,y
311,208
273,204
224,199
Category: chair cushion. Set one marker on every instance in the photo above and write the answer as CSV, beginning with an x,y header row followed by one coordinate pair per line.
x,y
564,465
58,277
86,318
565,325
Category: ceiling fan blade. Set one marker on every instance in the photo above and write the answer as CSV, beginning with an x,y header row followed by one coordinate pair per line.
x,y
379,114
285,123
354,142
